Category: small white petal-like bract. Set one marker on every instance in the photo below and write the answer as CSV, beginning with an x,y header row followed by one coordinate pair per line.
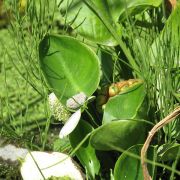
x,y
53,164
76,101
71,124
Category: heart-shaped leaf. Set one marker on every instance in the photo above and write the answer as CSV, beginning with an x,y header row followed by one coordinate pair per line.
x,y
86,153
86,22
129,168
119,134
125,105
89,25
69,66
129,7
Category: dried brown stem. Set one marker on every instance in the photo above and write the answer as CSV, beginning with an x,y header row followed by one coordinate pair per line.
x,y
158,126
173,3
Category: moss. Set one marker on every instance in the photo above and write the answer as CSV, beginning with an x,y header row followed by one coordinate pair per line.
x,y
9,172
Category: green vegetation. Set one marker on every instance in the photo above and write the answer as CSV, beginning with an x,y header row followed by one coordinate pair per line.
x,y
116,62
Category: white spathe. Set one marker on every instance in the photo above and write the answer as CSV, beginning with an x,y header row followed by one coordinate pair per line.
x,y
44,160
71,124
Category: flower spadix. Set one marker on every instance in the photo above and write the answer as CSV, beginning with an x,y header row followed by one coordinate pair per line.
x,y
58,110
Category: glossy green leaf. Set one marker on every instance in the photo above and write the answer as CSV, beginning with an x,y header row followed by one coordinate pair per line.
x,y
125,105
133,7
69,66
86,153
129,168
87,24
119,134
169,152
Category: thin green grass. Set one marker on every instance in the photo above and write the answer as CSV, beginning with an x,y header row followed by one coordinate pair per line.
x,y
29,89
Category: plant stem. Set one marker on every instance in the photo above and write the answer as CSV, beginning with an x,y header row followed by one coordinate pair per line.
x,y
156,128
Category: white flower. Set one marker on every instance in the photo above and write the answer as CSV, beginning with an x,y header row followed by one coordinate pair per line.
x,y
49,164
71,124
